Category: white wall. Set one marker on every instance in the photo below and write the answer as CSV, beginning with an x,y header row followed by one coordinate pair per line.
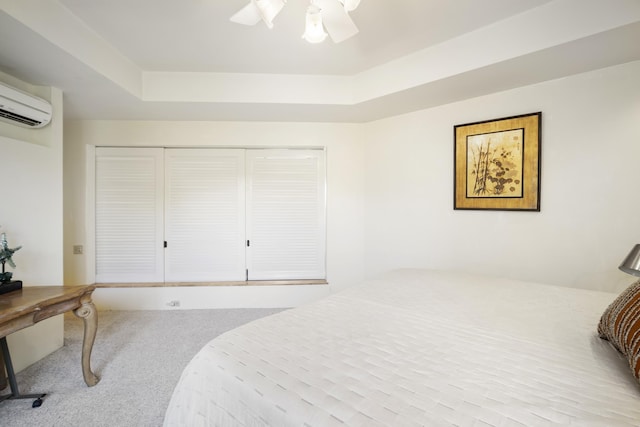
x,y
31,215
590,173
390,191
345,202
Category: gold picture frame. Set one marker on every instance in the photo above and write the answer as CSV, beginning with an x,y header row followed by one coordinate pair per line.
x,y
497,164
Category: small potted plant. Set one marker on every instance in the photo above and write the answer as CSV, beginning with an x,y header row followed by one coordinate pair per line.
x,y
6,284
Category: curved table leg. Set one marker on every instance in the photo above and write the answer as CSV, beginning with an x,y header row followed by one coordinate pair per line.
x,y
87,311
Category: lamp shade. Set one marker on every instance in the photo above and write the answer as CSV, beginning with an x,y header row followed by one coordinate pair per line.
x,y
631,264
314,31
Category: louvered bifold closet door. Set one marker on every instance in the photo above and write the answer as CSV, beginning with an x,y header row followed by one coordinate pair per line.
x,y
285,214
205,215
129,215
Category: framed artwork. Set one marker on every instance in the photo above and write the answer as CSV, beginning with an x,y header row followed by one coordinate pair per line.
x,y
497,164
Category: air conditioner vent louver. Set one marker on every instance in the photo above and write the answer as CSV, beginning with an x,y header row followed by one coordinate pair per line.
x,y
23,109
18,118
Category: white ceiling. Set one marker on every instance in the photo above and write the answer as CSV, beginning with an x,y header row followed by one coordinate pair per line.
x,y
184,60
196,35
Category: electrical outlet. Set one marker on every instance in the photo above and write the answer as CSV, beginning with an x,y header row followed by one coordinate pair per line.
x,y
78,249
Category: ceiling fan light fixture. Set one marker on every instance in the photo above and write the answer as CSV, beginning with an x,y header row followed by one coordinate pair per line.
x,y
349,5
269,9
314,31
323,18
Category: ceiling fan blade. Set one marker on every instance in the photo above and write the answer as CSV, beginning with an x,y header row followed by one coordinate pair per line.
x,y
248,15
350,5
257,10
338,23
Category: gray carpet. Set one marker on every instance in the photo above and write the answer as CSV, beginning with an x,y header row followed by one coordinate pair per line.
x,y
139,356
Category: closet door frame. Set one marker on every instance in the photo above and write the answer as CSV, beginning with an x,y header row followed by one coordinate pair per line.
x,y
318,272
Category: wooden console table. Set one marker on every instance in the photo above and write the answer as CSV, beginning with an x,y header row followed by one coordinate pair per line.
x,y
28,306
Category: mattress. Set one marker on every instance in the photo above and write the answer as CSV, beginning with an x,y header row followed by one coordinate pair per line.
x,y
416,348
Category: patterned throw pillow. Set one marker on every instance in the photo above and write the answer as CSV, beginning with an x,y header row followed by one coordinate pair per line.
x,y
620,325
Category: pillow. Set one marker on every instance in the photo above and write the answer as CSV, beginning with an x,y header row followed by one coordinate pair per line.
x,y
620,325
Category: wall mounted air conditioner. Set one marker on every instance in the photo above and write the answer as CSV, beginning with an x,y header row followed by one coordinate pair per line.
x,y
22,109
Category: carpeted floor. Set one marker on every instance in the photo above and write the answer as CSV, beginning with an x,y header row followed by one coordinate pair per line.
x,y
139,356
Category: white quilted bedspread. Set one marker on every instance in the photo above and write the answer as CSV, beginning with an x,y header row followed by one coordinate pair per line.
x,y
416,348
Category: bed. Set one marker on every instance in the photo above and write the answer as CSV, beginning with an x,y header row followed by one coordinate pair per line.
x,y
416,348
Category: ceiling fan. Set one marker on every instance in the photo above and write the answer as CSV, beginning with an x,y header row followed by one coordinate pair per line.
x,y
330,14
